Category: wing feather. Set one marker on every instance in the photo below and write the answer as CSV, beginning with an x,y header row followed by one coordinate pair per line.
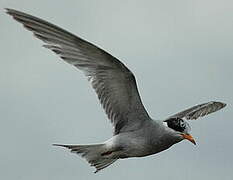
x,y
199,110
113,82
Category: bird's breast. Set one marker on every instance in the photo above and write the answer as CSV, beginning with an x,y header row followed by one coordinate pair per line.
x,y
144,143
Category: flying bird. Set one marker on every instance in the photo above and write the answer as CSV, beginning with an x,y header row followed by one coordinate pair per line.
x,y
135,133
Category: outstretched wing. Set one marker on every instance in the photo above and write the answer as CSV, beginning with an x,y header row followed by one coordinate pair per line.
x,y
113,82
199,110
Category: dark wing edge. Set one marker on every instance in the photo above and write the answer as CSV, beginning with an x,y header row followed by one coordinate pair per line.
x,y
198,111
113,82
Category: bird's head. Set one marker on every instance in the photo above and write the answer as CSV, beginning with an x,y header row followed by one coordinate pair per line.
x,y
181,128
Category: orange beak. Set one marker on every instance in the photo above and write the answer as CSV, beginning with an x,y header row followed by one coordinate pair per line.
x,y
189,137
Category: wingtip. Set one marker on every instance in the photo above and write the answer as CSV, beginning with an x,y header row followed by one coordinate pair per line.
x,y
222,104
9,11
13,12
61,145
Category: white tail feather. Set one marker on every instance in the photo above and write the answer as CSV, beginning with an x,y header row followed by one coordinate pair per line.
x,y
94,154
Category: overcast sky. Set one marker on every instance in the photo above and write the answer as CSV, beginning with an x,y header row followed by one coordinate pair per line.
x,y
181,53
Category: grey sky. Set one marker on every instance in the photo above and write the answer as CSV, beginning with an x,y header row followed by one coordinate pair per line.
x,y
181,53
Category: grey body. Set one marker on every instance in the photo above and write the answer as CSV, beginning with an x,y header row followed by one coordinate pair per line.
x,y
135,133
151,138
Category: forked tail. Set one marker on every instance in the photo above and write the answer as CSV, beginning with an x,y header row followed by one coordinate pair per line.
x,y
96,154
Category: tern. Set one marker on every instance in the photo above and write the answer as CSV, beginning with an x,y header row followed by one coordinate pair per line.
x,y
135,133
